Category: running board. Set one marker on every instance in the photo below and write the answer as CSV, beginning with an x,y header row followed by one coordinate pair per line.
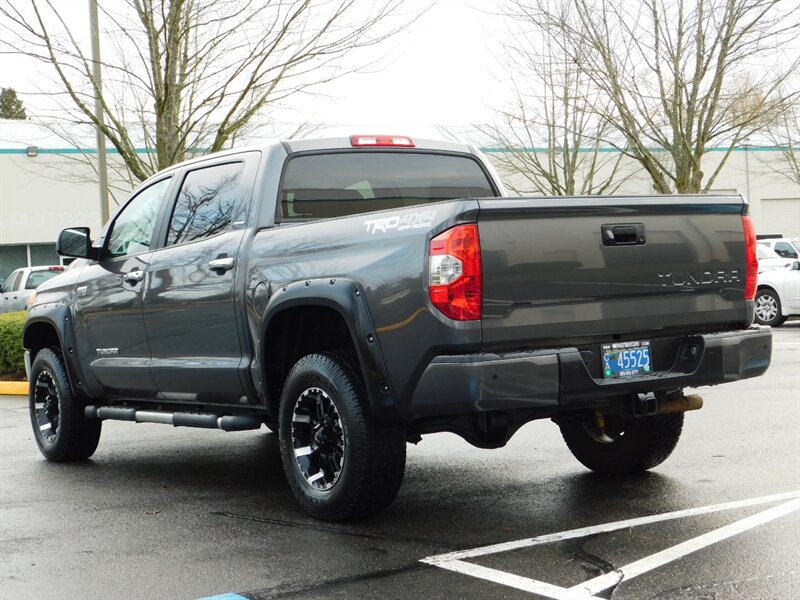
x,y
177,419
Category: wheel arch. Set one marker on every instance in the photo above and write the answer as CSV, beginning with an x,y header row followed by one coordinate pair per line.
x,y
50,326
315,316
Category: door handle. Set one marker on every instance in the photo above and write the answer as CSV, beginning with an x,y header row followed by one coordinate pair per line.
x,y
221,265
623,234
133,277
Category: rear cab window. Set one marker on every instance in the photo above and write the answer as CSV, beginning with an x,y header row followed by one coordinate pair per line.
x,y
37,278
328,185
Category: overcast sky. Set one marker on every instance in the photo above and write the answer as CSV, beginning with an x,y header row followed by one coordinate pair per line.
x,y
439,72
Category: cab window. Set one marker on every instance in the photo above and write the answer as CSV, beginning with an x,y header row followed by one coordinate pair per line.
x,y
786,250
37,278
204,206
133,228
12,281
338,184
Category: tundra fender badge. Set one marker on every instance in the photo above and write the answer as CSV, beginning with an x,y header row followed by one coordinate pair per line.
x,y
107,351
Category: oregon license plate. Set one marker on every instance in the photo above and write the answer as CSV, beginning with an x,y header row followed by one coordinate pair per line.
x,y
626,359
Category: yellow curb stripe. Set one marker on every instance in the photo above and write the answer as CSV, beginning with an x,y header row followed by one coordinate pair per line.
x,y
14,388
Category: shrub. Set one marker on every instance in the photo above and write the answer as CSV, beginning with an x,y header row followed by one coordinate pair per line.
x,y
12,355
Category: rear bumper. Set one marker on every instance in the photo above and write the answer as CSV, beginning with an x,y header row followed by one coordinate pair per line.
x,y
453,385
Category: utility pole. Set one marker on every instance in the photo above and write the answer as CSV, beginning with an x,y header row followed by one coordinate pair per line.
x,y
747,145
102,169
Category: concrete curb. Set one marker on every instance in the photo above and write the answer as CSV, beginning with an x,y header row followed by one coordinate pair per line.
x,y
14,388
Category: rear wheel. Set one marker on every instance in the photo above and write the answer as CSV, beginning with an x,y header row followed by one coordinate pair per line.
x,y
768,308
62,431
341,464
613,445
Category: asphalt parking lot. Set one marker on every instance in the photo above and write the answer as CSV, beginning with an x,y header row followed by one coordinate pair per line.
x,y
180,513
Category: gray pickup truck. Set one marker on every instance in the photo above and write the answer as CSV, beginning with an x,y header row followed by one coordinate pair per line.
x,y
354,294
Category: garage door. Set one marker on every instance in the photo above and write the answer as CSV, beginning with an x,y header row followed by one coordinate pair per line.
x,y
780,215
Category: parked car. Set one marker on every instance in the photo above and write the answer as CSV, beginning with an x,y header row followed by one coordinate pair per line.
x,y
21,283
778,295
769,260
784,247
355,294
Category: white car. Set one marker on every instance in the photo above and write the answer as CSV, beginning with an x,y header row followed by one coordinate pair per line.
x,y
784,247
768,260
21,283
778,295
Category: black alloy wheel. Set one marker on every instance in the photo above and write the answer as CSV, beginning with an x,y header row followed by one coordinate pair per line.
x,y
318,438
46,405
340,462
60,427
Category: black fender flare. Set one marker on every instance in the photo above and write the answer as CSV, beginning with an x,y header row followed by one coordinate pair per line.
x,y
58,316
347,298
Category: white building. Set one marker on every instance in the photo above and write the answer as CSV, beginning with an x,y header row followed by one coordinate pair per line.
x,y
46,186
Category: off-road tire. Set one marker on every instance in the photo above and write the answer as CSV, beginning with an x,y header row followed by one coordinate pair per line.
x,y
62,432
623,446
768,308
373,454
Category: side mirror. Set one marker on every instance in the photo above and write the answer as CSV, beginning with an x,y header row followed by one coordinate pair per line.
x,y
75,242
796,265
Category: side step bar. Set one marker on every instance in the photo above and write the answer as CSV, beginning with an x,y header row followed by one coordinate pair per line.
x,y
177,419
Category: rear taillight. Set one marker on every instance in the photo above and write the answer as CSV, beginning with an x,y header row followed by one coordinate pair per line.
x,y
751,279
454,273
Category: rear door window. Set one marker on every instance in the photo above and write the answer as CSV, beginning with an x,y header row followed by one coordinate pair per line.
x,y
204,207
338,184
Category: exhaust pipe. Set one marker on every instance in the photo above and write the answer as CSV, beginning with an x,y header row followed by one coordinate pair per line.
x,y
680,404
224,422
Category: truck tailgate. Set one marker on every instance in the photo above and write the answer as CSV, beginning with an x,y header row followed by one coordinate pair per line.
x,y
572,270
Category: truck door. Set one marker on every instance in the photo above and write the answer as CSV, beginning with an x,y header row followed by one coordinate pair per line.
x,y
108,300
190,302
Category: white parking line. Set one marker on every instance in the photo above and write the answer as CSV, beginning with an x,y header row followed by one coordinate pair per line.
x,y
453,561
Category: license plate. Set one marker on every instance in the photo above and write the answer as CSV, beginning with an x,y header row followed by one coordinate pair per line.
x,y
626,359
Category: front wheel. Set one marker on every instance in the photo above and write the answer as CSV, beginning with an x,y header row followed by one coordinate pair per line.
x,y
62,431
612,445
768,308
341,464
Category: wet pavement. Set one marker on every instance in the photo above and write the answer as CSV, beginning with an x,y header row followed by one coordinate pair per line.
x,y
179,513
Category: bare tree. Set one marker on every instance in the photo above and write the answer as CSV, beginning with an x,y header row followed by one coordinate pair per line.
x,y
680,75
188,76
784,133
550,140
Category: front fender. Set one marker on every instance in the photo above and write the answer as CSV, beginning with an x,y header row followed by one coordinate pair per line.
x,y
43,320
346,297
